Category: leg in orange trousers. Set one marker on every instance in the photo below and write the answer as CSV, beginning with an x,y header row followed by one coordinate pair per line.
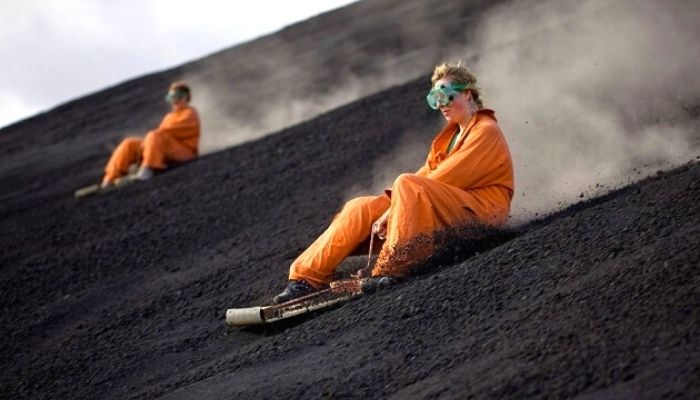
x,y
349,228
418,206
154,150
158,148
128,152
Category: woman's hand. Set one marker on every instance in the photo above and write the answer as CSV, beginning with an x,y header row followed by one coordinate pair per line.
x,y
379,226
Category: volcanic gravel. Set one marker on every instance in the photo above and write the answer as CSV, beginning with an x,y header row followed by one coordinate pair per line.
x,y
123,295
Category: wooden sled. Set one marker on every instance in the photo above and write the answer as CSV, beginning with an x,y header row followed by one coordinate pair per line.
x,y
123,181
98,189
338,292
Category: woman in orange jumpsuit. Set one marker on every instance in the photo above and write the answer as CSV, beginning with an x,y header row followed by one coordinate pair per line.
x,y
467,178
176,139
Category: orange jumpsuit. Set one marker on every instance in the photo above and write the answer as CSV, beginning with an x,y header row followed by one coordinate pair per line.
x,y
473,183
176,139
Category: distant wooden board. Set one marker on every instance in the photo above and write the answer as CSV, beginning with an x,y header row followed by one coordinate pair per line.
x,y
92,190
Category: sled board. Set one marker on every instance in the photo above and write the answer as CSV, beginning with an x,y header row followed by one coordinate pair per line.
x,y
97,189
339,292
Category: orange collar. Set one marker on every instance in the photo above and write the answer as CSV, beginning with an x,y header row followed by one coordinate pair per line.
x,y
438,149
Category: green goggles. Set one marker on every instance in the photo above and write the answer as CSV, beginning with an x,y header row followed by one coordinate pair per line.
x,y
174,95
442,96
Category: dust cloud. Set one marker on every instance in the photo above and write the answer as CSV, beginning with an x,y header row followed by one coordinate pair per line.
x,y
591,94
299,73
265,112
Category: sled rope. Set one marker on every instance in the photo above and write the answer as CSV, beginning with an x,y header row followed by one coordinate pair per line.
x,y
369,256
367,271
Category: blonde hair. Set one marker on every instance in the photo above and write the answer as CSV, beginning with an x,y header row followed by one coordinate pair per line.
x,y
181,86
458,74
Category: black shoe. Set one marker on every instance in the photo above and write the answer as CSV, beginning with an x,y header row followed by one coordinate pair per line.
x,y
371,285
294,290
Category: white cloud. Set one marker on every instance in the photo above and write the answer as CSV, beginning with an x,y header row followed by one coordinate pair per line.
x,y
55,51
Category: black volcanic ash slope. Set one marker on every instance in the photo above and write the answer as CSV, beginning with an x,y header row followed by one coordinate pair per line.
x,y
122,296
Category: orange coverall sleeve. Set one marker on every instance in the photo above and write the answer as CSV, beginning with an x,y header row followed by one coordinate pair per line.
x,y
480,161
181,125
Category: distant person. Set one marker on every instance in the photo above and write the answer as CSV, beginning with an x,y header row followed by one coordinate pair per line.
x,y
467,179
175,140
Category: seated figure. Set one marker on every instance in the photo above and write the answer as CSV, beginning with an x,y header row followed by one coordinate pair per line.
x,y
175,140
466,179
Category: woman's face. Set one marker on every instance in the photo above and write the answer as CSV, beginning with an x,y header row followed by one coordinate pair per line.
x,y
458,109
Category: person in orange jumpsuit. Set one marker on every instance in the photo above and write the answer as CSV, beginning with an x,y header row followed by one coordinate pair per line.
x,y
466,179
175,140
